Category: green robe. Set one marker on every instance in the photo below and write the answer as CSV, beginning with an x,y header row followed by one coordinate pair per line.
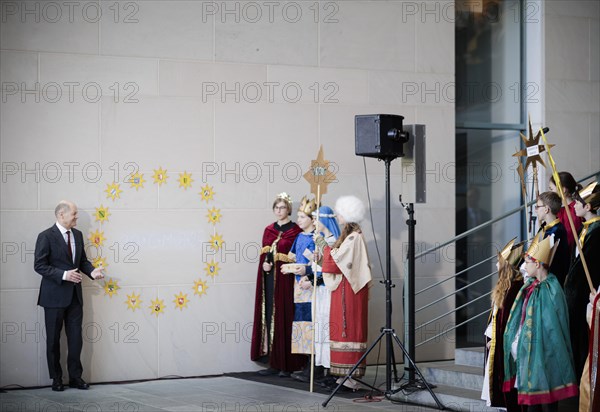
x,y
544,368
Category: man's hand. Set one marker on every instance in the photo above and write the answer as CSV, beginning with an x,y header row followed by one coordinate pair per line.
x,y
267,266
73,276
97,273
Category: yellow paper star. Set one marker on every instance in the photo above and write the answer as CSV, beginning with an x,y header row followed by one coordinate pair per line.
x,y
99,262
214,215
160,176
207,193
157,306
113,191
185,180
181,301
216,241
200,287
319,174
212,268
111,287
137,180
133,301
97,238
102,214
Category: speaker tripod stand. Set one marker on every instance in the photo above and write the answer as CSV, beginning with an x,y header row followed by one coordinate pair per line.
x,y
387,331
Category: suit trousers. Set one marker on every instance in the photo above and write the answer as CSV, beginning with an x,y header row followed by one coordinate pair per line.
x,y
72,317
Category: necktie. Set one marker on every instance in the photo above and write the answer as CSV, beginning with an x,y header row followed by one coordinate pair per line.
x,y
69,245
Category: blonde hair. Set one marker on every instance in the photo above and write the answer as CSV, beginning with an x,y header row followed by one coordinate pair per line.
x,y
506,275
348,228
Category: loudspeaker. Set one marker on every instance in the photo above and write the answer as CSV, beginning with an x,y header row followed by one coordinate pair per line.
x,y
379,135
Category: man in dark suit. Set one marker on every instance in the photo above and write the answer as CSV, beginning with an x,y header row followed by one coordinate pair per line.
x,y
60,259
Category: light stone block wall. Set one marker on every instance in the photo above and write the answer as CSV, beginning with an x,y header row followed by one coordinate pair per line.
x,y
95,91
572,83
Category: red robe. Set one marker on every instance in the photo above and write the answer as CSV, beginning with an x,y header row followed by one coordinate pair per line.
x,y
562,216
348,327
279,351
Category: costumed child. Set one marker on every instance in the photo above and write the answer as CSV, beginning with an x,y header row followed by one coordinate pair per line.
x,y
577,290
302,252
327,228
503,296
569,187
547,206
274,304
538,361
346,272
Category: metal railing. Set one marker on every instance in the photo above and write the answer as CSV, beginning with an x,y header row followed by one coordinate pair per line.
x,y
455,275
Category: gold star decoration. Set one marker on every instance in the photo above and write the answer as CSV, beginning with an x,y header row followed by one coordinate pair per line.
x,y
111,287
207,193
99,262
200,287
97,238
160,176
212,268
533,148
133,302
214,215
319,174
185,180
157,307
216,241
137,180
181,301
102,214
113,191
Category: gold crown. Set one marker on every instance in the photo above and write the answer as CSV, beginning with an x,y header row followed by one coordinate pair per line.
x,y
511,252
285,197
505,252
541,250
587,193
307,206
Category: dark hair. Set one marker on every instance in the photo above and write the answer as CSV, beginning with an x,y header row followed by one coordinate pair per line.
x,y
552,200
568,182
593,200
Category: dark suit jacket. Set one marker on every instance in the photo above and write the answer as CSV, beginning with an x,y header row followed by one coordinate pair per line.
x,y
51,261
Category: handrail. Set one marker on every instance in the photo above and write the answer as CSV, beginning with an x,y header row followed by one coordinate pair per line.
x,y
453,240
489,223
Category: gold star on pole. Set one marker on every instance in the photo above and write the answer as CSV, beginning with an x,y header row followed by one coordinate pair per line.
x,y
319,174
532,151
533,148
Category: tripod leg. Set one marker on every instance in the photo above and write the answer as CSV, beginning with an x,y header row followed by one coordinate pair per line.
x,y
356,365
393,355
414,366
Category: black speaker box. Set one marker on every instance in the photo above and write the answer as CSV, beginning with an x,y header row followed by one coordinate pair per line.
x,y
379,135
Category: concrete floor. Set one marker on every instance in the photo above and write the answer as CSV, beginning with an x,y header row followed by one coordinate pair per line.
x,y
214,394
